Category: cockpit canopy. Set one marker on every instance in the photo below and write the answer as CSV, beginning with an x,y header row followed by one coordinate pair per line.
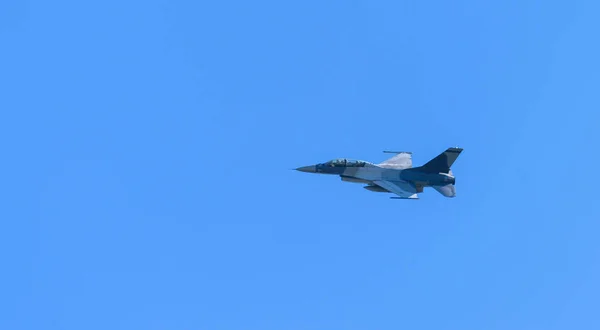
x,y
343,162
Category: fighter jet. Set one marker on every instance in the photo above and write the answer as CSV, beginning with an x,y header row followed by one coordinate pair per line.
x,y
395,175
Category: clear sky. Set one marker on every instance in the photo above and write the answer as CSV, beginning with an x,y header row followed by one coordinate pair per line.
x,y
147,148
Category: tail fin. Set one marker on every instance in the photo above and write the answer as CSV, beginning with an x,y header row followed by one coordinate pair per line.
x,y
443,162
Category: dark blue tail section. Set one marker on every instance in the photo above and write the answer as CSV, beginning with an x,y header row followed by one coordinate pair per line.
x,y
443,162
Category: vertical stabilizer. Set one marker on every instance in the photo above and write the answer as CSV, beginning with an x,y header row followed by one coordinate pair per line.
x,y
443,162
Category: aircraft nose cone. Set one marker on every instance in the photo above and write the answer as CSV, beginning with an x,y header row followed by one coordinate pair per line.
x,y
307,169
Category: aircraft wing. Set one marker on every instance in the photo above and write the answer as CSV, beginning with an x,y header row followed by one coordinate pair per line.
x,y
400,161
400,188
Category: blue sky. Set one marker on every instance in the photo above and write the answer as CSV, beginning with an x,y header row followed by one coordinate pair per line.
x,y
148,146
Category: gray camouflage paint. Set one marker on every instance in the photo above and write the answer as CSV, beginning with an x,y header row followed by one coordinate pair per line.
x,y
396,175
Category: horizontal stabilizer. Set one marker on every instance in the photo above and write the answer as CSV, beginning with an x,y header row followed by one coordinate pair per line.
x,y
448,190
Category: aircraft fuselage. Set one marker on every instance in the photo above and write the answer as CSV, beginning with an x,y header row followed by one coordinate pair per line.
x,y
371,173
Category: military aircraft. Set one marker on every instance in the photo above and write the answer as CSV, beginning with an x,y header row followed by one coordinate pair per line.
x,y
395,175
